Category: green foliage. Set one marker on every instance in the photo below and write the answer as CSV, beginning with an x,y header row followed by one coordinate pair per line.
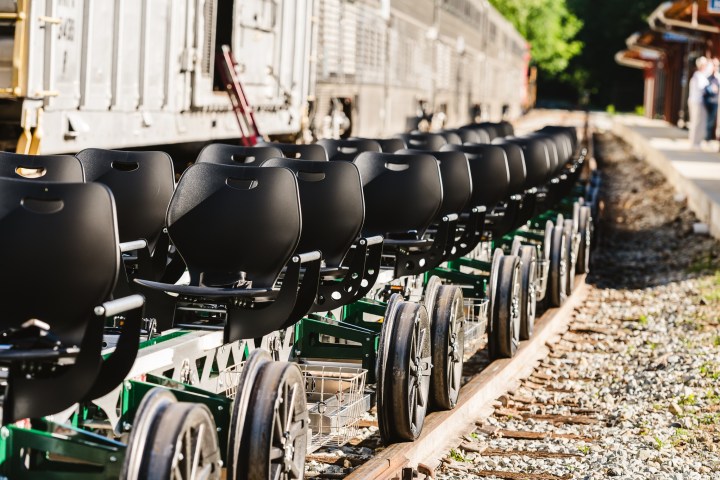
x,y
549,27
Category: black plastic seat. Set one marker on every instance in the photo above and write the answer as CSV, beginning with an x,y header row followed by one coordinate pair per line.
x,y
476,134
333,211
506,128
60,259
223,154
237,228
516,164
553,155
537,160
142,184
46,168
493,129
571,132
456,179
451,136
389,145
423,140
490,173
347,150
311,151
403,193
403,196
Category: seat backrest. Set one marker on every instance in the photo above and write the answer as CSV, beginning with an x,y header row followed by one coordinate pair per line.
x,y
571,132
227,219
455,177
479,134
46,168
516,164
59,255
492,129
347,150
490,173
563,140
451,136
537,159
142,184
310,151
331,200
403,193
390,145
237,154
506,128
423,140
555,163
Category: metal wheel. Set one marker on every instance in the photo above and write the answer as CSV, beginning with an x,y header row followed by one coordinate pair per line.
x,y
277,425
557,282
504,334
546,249
405,371
448,346
431,290
528,300
181,442
586,225
151,406
492,281
237,460
571,257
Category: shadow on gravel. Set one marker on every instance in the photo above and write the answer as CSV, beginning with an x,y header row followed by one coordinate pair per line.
x,y
646,234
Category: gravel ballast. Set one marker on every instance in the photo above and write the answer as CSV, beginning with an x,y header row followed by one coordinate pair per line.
x,y
632,391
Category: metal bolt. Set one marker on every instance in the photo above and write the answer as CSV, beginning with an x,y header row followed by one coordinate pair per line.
x,y
126,426
113,458
4,432
220,408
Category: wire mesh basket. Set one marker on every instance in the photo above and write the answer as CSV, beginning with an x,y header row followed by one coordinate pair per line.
x,y
336,402
228,380
476,319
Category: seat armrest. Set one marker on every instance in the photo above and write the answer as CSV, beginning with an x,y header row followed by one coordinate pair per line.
x,y
133,245
375,240
120,305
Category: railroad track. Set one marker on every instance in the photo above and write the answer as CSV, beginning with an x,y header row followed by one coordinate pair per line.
x,y
477,398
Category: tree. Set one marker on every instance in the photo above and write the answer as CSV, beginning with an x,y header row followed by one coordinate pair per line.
x,y
549,27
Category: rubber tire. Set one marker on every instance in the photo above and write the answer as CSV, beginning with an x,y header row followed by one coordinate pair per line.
x,y
504,334
528,299
447,308
557,282
586,226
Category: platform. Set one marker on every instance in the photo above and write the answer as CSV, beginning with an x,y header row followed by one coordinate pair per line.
x,y
694,173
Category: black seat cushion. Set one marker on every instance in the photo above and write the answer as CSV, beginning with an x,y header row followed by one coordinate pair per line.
x,y
456,179
331,200
226,220
347,150
46,168
402,192
236,154
142,184
59,255
490,173
474,133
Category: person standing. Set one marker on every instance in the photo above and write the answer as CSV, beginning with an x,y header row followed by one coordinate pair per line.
x,y
710,99
696,107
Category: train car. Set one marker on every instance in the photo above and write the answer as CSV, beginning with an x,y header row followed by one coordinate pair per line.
x,y
415,63
135,73
140,73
